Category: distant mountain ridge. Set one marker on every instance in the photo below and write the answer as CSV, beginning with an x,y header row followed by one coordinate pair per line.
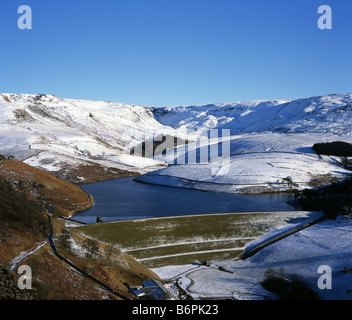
x,y
331,113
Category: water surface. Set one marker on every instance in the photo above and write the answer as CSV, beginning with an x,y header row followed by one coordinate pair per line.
x,y
125,199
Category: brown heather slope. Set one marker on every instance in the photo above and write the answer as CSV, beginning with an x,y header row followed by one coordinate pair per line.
x,y
25,194
65,198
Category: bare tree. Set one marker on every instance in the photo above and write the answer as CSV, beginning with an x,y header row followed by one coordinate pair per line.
x,y
92,247
110,249
64,239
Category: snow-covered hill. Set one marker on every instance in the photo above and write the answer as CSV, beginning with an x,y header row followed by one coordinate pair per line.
x,y
73,137
269,140
324,114
270,144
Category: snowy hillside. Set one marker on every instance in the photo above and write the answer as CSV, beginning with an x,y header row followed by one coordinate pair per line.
x,y
269,142
59,135
324,114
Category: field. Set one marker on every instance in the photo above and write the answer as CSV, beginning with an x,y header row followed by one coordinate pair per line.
x,y
186,239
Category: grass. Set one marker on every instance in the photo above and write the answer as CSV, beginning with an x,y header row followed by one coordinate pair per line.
x,y
186,239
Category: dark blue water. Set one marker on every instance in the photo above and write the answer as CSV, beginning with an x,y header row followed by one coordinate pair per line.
x,y
124,199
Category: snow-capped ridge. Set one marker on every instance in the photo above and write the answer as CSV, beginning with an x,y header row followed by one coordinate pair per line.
x,y
54,133
316,114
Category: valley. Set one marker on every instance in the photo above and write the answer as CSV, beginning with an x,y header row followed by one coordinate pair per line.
x,y
51,146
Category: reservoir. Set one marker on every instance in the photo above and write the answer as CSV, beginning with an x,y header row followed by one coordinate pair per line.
x,y
125,199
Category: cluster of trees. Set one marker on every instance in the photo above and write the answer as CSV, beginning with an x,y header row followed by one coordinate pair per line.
x,y
331,199
336,148
336,197
91,246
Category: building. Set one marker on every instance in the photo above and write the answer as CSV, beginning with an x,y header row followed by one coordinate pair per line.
x,y
152,290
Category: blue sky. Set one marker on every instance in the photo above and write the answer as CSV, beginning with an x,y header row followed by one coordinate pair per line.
x,y
162,52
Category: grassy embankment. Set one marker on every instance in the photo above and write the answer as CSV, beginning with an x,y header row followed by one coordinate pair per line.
x,y
186,239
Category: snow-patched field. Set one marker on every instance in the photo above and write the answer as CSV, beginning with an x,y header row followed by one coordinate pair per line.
x,y
258,163
269,142
309,255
